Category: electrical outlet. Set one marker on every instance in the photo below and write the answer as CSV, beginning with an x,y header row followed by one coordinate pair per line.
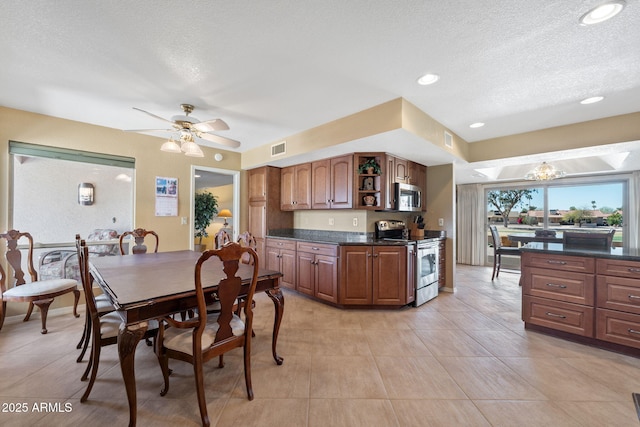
x,y
183,220
441,222
355,222
331,221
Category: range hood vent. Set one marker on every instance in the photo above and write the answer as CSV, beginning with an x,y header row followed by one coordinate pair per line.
x,y
279,148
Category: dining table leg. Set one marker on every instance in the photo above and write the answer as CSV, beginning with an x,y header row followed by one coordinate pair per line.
x,y
278,301
128,338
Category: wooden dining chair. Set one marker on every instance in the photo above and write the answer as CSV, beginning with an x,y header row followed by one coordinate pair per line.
x,y
247,240
139,235
104,327
221,238
201,338
37,292
588,240
499,250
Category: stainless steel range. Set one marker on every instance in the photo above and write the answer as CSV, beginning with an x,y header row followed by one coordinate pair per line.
x,y
426,262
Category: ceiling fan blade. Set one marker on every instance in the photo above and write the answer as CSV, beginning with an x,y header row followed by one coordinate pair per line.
x,y
218,139
149,130
153,115
210,125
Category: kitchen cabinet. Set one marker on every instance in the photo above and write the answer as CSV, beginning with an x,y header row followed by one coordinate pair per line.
x,y
281,256
374,275
442,263
332,183
369,186
264,205
296,187
317,270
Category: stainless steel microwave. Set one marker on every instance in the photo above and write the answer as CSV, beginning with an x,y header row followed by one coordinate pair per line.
x,y
408,198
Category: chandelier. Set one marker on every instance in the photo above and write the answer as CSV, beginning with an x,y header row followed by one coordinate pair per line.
x,y
544,172
187,145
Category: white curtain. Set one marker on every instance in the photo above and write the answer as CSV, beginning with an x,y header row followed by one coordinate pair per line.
x,y
471,242
630,218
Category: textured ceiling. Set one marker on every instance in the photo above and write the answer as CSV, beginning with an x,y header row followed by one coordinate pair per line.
x,y
273,69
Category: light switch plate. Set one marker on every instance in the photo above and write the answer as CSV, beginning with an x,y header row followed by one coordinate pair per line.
x,y
441,222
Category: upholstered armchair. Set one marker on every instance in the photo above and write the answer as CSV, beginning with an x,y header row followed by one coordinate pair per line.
x,y
63,264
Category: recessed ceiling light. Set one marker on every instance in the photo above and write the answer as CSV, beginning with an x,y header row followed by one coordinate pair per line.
x,y
602,13
428,79
592,100
476,125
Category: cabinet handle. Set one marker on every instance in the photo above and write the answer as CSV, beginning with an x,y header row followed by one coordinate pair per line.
x,y
553,285
634,297
315,249
280,243
548,313
368,255
633,331
551,261
375,256
634,270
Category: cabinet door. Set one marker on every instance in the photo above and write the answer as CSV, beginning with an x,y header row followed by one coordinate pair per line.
x,y
305,276
288,268
389,275
390,197
326,286
258,219
302,190
258,184
321,184
342,182
401,170
272,259
355,275
411,273
287,188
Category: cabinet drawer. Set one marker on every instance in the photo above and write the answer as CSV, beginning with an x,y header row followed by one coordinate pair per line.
x,y
566,286
281,243
559,262
619,328
562,316
318,248
621,268
618,293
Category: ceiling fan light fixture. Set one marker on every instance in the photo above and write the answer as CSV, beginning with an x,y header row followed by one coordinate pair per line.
x,y
602,12
192,149
171,146
544,172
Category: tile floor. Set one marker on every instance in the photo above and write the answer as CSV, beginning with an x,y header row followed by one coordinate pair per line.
x,y
463,359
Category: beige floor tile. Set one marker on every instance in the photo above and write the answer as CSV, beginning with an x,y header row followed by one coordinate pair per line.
x,y
451,342
597,414
264,412
417,378
351,413
346,342
345,377
438,413
289,380
396,343
488,378
472,320
509,413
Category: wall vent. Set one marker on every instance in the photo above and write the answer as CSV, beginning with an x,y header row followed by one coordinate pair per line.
x,y
448,139
279,148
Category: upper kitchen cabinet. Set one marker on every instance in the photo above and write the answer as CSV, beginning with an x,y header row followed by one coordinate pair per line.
x,y
296,187
404,172
332,183
398,169
369,180
264,205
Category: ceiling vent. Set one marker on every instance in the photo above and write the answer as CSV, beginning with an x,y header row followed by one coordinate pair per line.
x,y
448,139
279,148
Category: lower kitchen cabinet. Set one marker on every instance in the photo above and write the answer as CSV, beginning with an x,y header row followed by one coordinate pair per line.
x,y
281,256
317,273
374,275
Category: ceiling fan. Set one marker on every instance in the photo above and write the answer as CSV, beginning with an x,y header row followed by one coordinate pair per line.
x,y
186,127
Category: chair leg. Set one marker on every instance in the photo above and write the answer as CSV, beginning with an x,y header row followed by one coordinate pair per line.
x,y
247,371
29,311
3,312
95,359
76,296
43,305
163,360
498,265
202,401
86,337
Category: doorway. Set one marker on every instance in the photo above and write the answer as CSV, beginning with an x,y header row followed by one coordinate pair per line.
x,y
225,185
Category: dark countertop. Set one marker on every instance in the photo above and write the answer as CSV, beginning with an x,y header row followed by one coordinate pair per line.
x,y
560,249
348,238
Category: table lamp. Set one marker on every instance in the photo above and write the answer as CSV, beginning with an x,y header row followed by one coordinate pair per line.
x,y
225,213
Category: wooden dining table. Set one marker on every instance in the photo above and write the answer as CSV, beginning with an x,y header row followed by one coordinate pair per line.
x,y
149,286
532,237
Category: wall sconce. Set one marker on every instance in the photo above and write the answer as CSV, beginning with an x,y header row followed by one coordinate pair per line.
x,y
225,213
85,194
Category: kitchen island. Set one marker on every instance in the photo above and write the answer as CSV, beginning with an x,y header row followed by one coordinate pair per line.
x,y
346,269
586,295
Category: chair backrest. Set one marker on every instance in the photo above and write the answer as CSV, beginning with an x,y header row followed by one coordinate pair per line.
x,y
222,238
229,288
495,236
14,259
588,240
100,234
545,233
139,235
247,240
85,277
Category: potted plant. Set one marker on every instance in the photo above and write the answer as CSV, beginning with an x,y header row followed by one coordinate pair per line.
x,y
205,208
370,167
